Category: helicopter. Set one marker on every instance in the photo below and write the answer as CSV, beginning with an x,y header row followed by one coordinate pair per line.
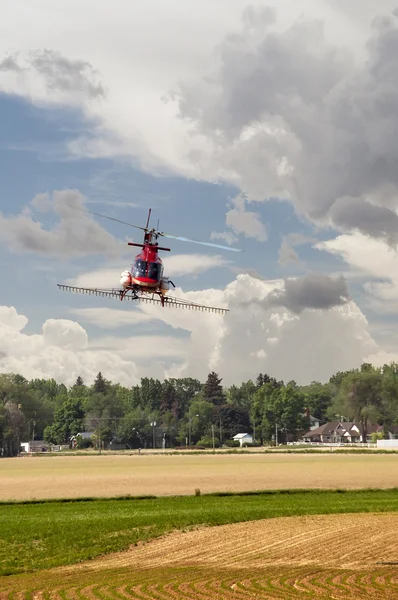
x,y
145,282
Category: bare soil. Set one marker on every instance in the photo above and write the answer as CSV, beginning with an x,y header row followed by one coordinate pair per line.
x,y
349,541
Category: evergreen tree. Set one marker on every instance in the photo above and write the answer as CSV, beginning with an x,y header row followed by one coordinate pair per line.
x,y
212,390
100,384
79,382
260,380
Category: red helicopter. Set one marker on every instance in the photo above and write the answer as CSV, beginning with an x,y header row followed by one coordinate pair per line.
x,y
145,282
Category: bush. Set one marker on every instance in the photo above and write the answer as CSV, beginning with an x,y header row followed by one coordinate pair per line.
x,y
232,443
207,442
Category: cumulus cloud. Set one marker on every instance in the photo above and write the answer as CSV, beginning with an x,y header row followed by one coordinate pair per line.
x,y
226,236
287,113
306,347
314,291
373,261
75,234
311,291
53,72
301,330
111,318
59,351
192,264
287,253
105,277
242,221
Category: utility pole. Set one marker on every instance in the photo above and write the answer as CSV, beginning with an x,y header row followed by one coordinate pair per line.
x,y
276,434
220,432
153,423
212,432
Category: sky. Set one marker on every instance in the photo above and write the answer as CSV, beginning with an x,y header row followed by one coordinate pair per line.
x,y
270,127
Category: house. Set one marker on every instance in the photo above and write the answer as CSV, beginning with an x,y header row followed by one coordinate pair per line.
x,y
243,438
337,432
83,435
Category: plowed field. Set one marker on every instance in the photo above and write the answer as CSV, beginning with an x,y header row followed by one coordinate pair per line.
x,y
328,556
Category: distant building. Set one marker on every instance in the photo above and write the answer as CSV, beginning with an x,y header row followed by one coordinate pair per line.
x,y
337,432
243,438
84,435
34,446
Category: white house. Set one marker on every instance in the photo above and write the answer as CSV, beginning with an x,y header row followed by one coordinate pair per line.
x,y
243,438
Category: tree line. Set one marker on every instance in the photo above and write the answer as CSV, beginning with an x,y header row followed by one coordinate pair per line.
x,y
181,412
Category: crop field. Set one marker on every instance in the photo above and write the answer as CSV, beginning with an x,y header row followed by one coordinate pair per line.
x,y
230,543
271,545
109,476
286,558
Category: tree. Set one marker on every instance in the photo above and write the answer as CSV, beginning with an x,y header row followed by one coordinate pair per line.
x,y
232,420
213,391
241,397
363,392
318,399
68,421
100,384
260,380
199,419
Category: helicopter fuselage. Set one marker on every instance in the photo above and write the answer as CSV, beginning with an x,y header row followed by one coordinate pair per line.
x,y
146,272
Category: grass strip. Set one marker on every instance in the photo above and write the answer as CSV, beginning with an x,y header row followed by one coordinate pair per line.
x,y
45,534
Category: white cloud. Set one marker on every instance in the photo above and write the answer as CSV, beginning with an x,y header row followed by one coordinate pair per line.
x,y
140,52
364,254
242,221
111,318
227,236
255,336
372,259
75,234
287,112
192,264
104,278
60,351
298,105
143,347
64,334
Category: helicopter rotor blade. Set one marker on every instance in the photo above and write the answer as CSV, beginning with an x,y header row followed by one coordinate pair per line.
x,y
184,239
111,218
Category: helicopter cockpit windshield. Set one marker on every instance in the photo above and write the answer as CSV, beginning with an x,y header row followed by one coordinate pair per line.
x,y
154,271
150,270
140,268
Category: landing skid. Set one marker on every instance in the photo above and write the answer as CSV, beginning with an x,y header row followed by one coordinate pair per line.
x,y
135,296
146,297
